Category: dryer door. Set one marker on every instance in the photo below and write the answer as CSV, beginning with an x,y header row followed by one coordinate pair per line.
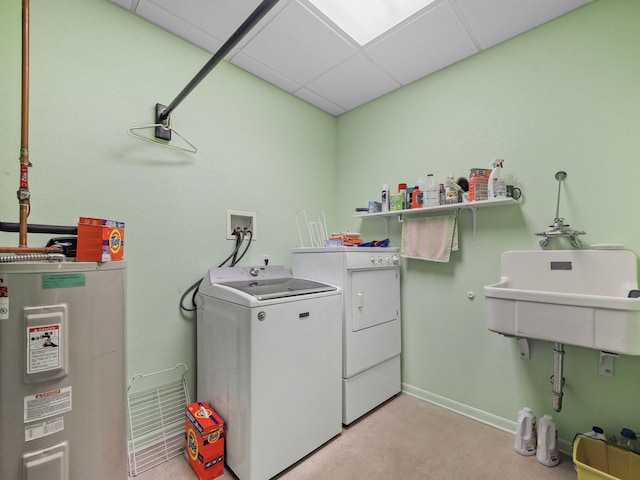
x,y
372,319
375,298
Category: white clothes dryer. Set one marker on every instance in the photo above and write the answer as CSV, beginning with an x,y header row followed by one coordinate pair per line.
x,y
370,280
269,363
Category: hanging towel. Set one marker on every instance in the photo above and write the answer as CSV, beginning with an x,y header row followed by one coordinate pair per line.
x,y
429,238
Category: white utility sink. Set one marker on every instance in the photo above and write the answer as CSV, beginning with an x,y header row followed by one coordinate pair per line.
x,y
575,297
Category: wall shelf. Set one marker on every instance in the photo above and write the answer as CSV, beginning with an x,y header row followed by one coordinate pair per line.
x,y
473,206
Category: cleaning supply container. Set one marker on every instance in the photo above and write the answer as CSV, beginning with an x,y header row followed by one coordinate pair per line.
x,y
599,460
547,450
596,432
431,192
526,432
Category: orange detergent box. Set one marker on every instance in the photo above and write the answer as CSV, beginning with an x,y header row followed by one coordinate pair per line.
x,y
100,240
479,184
204,440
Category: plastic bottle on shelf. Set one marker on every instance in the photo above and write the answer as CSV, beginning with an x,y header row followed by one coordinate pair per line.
x,y
431,192
402,189
526,432
443,195
451,191
547,449
416,197
385,197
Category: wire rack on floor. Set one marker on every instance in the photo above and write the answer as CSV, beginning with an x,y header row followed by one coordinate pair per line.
x,y
156,418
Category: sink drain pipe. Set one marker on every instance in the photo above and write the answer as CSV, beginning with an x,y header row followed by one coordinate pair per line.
x,y
557,379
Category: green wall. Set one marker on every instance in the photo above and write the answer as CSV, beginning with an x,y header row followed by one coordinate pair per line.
x,y
96,70
561,97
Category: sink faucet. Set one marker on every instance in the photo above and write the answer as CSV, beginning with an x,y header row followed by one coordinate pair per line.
x,y
559,228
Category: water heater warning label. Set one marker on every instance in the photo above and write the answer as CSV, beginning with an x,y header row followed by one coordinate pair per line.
x,y
47,404
43,348
43,429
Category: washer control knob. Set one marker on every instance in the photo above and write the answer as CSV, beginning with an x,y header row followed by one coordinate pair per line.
x,y
395,259
254,271
380,260
372,259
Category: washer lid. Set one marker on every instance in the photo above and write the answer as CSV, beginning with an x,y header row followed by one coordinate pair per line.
x,y
279,287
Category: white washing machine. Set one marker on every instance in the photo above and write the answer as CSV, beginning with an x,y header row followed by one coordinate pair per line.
x,y
269,363
370,280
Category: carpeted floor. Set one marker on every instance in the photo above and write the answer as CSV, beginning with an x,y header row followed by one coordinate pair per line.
x,y
408,439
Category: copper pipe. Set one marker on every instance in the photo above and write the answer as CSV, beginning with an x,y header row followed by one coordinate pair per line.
x,y
23,192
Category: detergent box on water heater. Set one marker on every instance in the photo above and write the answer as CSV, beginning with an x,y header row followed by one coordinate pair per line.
x,y
204,440
100,240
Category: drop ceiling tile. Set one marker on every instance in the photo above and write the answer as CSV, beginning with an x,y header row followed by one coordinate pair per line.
x,y
298,44
219,18
353,83
430,42
322,103
177,26
265,73
493,21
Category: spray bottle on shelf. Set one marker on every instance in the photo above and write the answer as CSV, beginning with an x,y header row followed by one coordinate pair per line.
x,y
496,185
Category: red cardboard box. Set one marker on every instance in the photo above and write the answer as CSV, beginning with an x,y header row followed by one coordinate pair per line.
x,y
204,440
100,240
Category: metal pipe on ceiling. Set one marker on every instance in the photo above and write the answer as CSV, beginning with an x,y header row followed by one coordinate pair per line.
x,y
257,15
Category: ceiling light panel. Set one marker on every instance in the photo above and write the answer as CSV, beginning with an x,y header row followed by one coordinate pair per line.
x,y
365,20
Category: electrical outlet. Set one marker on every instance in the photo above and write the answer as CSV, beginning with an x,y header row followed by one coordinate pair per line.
x,y
265,260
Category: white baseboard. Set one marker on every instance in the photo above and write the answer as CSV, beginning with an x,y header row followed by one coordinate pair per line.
x,y
473,413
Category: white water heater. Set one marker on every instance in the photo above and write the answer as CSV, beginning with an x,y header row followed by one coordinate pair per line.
x,y
62,371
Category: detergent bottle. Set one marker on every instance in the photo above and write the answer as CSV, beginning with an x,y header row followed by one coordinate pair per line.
x,y
547,450
416,197
526,432
431,192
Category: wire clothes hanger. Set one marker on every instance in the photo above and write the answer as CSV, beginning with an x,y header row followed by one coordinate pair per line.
x,y
162,126
166,125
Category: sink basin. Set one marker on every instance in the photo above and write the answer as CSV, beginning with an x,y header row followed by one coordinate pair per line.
x,y
575,297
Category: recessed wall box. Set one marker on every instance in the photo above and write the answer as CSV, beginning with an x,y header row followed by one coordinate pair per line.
x,y
242,220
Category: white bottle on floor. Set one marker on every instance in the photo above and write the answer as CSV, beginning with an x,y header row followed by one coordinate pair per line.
x,y
526,432
547,452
